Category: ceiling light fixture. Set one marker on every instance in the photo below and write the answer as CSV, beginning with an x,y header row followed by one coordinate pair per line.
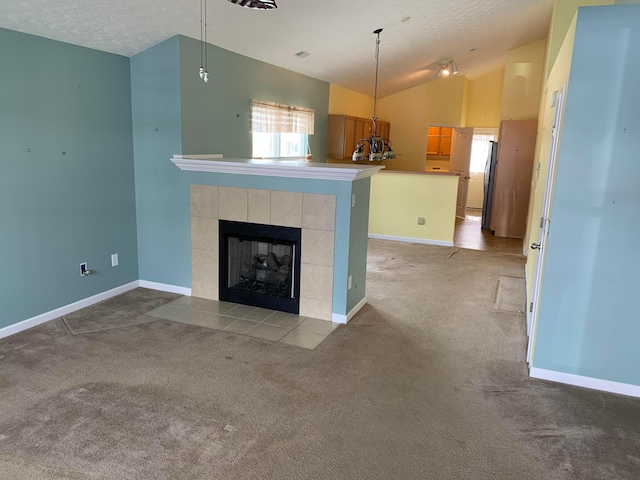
x,y
256,4
447,68
204,74
379,148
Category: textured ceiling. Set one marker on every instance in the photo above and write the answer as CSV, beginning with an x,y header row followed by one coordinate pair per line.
x,y
337,33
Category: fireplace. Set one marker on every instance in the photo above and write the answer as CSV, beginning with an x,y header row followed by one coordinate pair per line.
x,y
260,265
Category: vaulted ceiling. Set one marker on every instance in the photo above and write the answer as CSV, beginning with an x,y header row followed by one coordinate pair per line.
x,y
337,33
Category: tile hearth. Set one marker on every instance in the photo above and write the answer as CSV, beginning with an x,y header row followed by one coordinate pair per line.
x,y
255,322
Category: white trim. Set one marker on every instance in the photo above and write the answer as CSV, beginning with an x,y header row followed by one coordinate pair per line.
x,y
424,241
586,382
165,287
276,168
200,157
65,310
340,318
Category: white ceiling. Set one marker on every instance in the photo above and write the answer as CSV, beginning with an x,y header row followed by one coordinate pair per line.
x,y
337,33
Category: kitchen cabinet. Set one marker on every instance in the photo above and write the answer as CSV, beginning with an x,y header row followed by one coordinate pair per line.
x,y
439,141
345,131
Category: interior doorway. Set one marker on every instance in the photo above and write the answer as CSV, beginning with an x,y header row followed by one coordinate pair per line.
x,y
468,231
480,150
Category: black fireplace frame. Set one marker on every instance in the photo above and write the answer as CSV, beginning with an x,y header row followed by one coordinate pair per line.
x,y
262,233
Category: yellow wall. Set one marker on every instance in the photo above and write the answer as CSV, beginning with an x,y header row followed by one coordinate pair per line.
x,y
485,100
557,77
522,81
446,101
441,102
563,13
407,112
398,199
347,102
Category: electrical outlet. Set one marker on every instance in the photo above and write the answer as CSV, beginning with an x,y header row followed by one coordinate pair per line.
x,y
114,260
350,282
420,220
84,269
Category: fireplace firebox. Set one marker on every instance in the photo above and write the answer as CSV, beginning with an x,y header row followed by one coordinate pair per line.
x,y
260,265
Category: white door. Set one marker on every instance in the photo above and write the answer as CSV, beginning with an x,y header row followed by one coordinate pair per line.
x,y
460,159
545,222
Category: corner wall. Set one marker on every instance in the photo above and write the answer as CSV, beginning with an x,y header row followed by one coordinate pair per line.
x,y
67,187
564,12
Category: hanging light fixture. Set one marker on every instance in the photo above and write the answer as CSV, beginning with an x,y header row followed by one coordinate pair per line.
x,y
256,4
203,72
379,148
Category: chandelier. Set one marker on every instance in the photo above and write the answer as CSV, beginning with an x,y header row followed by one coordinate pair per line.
x,y
379,148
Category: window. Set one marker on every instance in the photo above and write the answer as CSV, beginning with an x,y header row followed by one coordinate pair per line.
x,y
279,145
280,131
480,148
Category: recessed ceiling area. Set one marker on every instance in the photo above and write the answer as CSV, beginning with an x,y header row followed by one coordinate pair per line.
x,y
337,33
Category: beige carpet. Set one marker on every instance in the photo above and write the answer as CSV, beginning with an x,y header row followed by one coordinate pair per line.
x,y
511,295
427,382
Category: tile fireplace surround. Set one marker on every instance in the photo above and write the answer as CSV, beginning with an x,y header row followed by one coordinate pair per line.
x,y
314,213
330,204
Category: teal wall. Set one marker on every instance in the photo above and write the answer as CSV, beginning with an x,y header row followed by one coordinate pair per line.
x,y
215,115
66,174
358,240
589,322
163,225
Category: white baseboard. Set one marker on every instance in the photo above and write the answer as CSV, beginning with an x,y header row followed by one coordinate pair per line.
x,y
340,318
424,241
586,382
165,287
59,312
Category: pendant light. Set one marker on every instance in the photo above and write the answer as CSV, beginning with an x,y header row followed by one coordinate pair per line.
x,y
379,148
203,72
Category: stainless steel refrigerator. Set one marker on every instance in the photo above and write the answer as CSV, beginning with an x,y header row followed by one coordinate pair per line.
x,y
489,178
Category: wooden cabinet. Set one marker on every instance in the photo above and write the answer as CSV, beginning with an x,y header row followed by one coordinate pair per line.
x,y
384,129
439,141
345,131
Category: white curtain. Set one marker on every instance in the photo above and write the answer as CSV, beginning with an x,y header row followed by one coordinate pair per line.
x,y
269,117
480,148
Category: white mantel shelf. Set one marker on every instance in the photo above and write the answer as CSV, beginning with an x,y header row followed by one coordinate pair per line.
x,y
274,168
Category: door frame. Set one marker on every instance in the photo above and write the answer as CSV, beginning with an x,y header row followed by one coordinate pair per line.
x,y
545,221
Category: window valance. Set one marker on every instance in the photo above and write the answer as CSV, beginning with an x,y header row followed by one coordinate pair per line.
x,y
270,117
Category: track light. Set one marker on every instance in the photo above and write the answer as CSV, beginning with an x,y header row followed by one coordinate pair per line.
x,y
447,68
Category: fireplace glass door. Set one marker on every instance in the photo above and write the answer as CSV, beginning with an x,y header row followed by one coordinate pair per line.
x,y
260,265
